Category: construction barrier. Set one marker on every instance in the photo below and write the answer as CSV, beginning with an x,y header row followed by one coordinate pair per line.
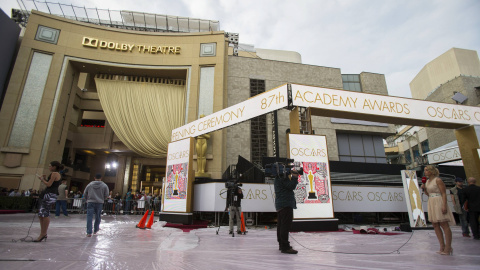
x,y
110,207
242,227
141,224
150,221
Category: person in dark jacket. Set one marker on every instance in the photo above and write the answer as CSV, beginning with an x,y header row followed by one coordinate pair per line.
x,y
458,199
284,204
95,195
472,197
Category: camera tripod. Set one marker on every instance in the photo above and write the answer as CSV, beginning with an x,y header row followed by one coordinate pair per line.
x,y
232,192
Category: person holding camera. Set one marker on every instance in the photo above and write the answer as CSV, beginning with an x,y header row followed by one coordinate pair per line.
x,y
234,205
284,204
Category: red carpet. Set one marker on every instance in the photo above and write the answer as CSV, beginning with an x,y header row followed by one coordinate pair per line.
x,y
197,224
11,211
339,230
373,232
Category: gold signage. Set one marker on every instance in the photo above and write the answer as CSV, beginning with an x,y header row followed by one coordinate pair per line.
x,y
307,152
126,47
355,102
178,155
260,104
209,122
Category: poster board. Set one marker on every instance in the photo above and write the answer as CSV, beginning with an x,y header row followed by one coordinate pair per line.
x,y
178,184
413,198
314,190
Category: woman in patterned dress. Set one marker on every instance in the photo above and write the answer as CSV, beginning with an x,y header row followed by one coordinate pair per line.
x,y
48,197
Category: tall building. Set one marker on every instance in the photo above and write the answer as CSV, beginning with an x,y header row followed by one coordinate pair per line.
x,y
453,77
451,64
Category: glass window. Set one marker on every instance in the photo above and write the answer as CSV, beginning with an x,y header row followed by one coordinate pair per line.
x,y
368,145
206,95
28,109
360,148
408,158
416,152
356,145
258,134
425,146
351,82
343,145
378,145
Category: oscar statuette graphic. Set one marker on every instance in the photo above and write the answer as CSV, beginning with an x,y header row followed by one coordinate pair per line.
x,y
311,193
175,188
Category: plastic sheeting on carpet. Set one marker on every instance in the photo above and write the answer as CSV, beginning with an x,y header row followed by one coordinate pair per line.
x,y
122,246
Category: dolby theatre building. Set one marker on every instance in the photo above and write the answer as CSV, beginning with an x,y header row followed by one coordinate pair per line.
x,y
104,98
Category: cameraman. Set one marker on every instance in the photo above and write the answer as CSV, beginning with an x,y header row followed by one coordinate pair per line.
x,y
234,201
285,202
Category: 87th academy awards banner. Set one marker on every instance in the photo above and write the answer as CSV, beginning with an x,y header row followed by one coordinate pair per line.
x,y
260,104
177,188
414,199
314,190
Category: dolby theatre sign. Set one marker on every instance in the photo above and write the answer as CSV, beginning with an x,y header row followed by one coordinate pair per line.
x,y
128,47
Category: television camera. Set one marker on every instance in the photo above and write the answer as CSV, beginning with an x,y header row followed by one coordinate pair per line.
x,y
281,168
232,184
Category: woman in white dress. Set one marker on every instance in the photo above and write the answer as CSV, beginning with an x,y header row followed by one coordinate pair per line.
x,y
439,213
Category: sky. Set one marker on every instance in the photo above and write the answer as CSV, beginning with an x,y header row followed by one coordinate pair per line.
x,y
391,37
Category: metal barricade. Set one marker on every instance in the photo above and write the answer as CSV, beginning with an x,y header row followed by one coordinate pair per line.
x,y
112,207
77,205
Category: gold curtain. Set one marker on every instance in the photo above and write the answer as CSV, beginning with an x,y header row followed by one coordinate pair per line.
x,y
143,111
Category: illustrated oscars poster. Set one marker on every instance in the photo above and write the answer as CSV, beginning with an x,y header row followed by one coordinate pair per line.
x,y
413,199
314,190
178,185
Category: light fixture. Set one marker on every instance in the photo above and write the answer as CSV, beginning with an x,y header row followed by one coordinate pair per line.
x,y
459,97
89,152
111,163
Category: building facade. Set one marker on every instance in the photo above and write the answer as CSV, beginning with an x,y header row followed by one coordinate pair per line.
x,y
453,77
451,64
58,104
52,109
348,140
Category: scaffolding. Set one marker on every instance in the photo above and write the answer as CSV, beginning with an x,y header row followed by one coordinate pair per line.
x,y
122,19
258,126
